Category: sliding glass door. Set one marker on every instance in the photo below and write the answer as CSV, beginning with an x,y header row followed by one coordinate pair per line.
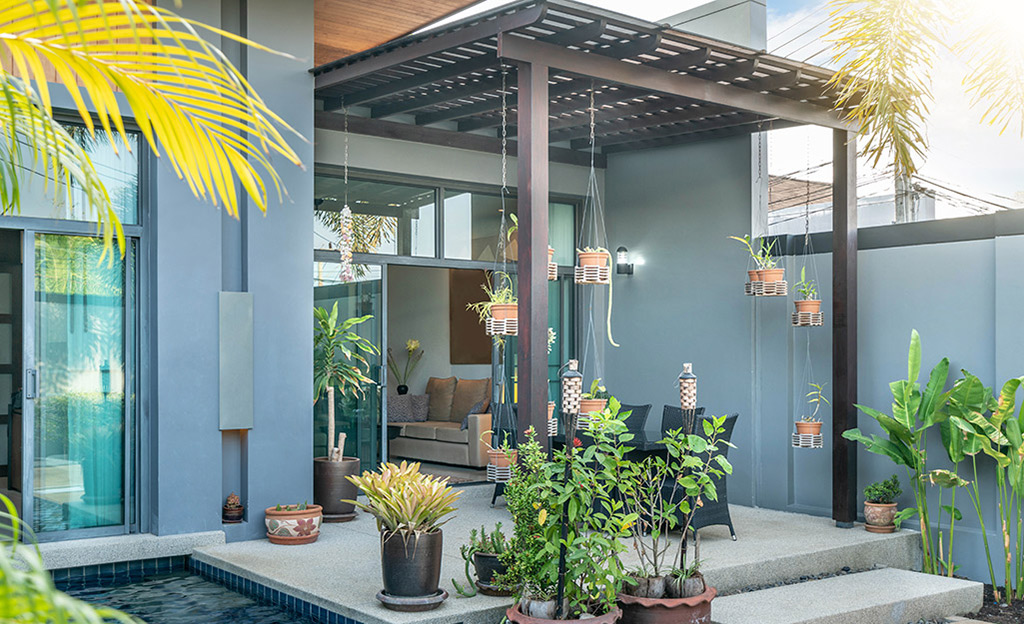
x,y
79,386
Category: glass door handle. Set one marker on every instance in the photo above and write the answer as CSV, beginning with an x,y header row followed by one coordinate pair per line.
x,y
31,384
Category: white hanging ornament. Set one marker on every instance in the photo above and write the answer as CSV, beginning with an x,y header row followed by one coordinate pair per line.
x,y
345,245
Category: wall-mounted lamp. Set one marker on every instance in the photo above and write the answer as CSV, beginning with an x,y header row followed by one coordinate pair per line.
x,y
622,264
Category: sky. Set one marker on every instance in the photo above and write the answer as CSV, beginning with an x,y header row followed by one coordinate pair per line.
x,y
963,153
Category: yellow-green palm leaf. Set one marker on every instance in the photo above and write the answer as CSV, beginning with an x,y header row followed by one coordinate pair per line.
x,y
192,105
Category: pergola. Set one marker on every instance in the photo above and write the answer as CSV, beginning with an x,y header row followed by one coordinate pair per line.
x,y
652,86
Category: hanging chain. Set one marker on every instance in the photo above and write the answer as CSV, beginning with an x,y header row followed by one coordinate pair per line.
x,y
807,201
504,134
345,109
593,143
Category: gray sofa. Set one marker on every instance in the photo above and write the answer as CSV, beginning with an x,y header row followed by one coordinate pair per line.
x,y
441,438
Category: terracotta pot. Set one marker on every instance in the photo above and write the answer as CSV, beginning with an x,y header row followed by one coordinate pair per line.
x,y
330,486
879,517
594,259
695,609
232,515
753,275
808,427
551,254
772,275
760,274
551,410
515,616
293,527
499,458
589,406
808,305
504,311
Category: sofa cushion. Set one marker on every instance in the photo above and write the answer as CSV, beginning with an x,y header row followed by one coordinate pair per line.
x,y
407,408
441,391
468,393
424,430
452,434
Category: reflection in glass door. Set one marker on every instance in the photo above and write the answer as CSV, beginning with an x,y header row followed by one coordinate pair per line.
x,y
358,417
81,343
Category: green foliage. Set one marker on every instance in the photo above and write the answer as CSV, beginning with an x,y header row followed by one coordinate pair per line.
x,y
763,258
479,542
885,491
815,397
597,391
338,360
503,292
807,288
413,354
27,593
403,500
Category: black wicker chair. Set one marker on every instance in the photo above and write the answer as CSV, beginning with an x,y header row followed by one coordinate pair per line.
x,y
712,512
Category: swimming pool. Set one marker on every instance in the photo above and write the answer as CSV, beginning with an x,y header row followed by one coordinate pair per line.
x,y
178,597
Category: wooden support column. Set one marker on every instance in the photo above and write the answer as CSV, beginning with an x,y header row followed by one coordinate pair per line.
x,y
844,326
532,135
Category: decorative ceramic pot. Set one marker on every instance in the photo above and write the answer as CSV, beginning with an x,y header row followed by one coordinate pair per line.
x,y
879,517
594,259
411,564
808,305
695,609
402,389
330,486
501,312
293,526
232,515
772,275
514,615
590,406
808,427
499,458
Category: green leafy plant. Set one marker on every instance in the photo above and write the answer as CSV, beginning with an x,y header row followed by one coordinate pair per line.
x,y
29,595
290,507
762,257
413,354
913,414
815,397
886,491
597,391
492,543
338,363
405,501
806,288
500,293
592,250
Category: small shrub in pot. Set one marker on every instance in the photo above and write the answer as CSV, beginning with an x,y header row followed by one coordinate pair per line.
x,y
483,552
880,505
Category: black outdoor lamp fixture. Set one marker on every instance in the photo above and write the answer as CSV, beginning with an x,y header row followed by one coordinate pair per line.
x,y
622,264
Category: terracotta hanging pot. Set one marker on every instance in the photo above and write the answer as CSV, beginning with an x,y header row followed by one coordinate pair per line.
x,y
501,312
808,427
808,305
772,275
753,275
588,406
499,458
551,410
879,517
551,254
594,259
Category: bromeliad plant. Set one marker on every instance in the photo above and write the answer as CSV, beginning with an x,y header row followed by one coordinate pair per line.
x,y
338,363
404,501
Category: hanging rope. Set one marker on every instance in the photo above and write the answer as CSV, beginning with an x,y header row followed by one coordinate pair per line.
x,y
346,273
503,417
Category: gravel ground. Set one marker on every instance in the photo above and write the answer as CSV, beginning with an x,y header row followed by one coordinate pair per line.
x,y
993,612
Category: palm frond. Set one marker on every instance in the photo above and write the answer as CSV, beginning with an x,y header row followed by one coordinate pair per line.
x,y
995,78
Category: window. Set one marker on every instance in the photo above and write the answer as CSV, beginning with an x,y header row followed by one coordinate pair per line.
x,y
472,221
386,218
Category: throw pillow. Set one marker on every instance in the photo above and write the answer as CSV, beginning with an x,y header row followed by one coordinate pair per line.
x,y
420,407
441,391
468,393
476,409
399,409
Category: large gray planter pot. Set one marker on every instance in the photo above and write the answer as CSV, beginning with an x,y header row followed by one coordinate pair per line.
x,y
411,565
330,486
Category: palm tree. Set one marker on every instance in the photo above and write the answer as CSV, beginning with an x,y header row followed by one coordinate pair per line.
x,y
190,103
886,51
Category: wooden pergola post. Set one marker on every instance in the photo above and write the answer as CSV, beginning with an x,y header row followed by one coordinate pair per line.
x,y
844,325
532,135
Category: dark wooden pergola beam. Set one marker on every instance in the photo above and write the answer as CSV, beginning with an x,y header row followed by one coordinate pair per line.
x,y
442,94
490,104
660,132
660,81
683,61
656,122
564,106
438,136
697,137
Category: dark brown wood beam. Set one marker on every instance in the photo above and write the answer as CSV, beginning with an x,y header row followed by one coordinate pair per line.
x,y
568,105
682,61
443,94
728,119
697,137
490,105
660,81
729,73
578,34
445,69
844,326
532,210
437,136
625,123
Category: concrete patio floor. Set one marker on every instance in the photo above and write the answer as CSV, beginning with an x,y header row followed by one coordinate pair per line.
x,y
341,571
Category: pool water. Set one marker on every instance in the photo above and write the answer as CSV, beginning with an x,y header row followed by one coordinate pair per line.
x,y
179,597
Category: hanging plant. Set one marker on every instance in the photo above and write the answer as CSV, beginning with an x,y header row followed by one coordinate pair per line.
x,y
500,311
808,291
811,424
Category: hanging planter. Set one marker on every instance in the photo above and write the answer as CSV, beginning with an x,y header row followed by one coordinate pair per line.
x,y
768,279
808,308
808,428
552,265
552,421
500,312
594,266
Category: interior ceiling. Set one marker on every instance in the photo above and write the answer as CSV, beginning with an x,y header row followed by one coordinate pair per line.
x,y
344,27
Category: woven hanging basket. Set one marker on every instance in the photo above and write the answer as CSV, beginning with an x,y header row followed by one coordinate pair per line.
x,y
807,319
593,268
808,441
758,288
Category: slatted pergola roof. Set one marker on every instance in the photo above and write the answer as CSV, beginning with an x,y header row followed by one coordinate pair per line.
x,y
652,85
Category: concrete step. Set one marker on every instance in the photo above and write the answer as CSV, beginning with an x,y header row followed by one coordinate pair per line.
x,y
878,596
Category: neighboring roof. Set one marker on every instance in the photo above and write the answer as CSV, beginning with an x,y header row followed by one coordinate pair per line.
x,y
452,74
345,27
787,192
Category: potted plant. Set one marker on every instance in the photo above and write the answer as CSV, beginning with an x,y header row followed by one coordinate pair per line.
x,y
413,353
410,509
296,524
233,509
484,552
594,257
808,291
501,456
811,424
338,364
880,505
501,303
550,511
765,264
595,399
653,496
